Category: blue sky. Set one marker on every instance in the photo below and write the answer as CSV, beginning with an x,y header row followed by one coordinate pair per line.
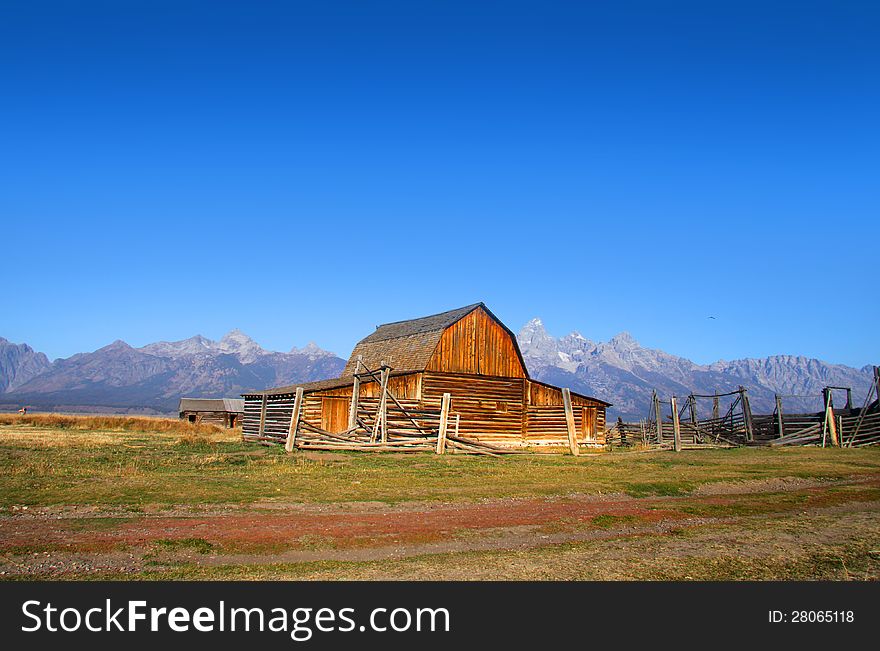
x,y
305,171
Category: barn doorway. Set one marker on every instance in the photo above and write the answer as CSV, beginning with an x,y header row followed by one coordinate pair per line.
x,y
588,423
334,414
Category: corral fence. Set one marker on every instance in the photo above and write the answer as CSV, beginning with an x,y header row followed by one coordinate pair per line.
x,y
699,421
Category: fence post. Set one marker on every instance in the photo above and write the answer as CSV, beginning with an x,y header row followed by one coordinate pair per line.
x,y
444,420
355,395
780,423
262,429
676,426
876,382
658,418
747,414
380,429
715,415
294,420
830,425
569,422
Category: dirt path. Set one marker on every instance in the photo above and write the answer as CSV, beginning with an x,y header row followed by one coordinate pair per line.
x,y
82,541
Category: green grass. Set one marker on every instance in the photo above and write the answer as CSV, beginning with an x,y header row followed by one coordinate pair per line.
x,y
197,545
118,478
133,470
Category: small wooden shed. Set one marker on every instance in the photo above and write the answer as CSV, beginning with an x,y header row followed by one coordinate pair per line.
x,y
468,353
224,412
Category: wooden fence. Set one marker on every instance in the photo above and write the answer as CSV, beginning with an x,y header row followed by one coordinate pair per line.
x,y
678,424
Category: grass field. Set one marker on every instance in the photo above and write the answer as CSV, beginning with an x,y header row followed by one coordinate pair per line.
x,y
150,499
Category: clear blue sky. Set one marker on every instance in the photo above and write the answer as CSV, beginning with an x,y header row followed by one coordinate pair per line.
x,y
305,171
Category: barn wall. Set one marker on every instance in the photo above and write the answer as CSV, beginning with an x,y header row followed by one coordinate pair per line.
x,y
546,421
327,409
402,386
490,407
219,418
501,410
547,424
477,344
278,411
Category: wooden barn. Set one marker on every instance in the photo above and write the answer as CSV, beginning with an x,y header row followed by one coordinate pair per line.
x,y
224,412
396,379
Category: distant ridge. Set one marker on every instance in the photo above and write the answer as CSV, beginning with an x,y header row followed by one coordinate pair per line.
x,y
625,373
152,378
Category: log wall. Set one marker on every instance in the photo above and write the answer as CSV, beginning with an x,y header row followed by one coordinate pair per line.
x,y
219,418
490,408
498,410
546,422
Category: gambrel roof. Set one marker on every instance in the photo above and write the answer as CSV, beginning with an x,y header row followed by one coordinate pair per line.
x,y
409,345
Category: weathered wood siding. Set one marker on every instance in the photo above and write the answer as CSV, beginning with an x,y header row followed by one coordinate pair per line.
x,y
327,409
477,344
277,419
404,387
501,410
490,408
545,416
219,418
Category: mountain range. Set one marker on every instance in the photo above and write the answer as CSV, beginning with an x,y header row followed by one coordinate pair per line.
x,y
625,373
151,379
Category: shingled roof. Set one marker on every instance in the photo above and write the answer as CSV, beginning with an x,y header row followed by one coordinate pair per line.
x,y
233,405
318,385
406,345
410,327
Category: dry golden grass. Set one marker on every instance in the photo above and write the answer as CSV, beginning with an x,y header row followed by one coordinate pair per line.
x,y
49,437
109,423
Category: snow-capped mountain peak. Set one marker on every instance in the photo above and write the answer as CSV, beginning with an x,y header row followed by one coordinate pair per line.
x,y
311,349
624,372
236,342
192,346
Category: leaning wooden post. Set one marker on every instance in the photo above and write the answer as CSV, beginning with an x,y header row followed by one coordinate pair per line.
x,y
444,421
355,394
569,421
658,418
825,396
747,414
676,426
262,429
384,405
864,410
876,382
780,423
381,411
715,414
294,420
830,421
